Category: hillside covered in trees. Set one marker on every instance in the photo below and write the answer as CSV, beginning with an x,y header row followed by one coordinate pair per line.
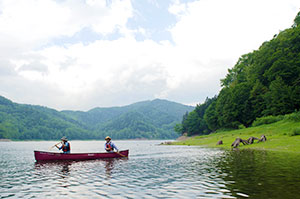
x,y
265,82
148,119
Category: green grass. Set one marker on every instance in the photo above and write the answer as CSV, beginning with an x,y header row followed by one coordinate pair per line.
x,y
281,136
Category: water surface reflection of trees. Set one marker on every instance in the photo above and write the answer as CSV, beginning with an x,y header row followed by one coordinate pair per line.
x,y
260,174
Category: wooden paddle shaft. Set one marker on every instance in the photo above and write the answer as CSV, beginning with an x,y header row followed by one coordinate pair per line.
x,y
54,145
121,154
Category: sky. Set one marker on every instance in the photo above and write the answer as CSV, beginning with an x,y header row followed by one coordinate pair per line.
x,y
82,54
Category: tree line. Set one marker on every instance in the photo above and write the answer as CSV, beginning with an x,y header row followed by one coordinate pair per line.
x,y
143,120
262,83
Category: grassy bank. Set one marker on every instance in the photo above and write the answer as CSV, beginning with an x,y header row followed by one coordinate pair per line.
x,y
281,136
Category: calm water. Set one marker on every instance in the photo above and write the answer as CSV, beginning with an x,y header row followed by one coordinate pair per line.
x,y
151,171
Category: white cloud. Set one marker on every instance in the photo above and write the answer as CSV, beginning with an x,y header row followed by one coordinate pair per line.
x,y
33,23
228,29
29,23
178,8
208,38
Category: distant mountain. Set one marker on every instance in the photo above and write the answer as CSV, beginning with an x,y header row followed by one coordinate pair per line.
x,y
148,119
19,121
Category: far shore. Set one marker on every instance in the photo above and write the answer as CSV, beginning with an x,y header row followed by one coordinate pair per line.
x,y
137,139
5,140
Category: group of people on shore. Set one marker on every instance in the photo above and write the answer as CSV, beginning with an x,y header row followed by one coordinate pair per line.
x,y
65,146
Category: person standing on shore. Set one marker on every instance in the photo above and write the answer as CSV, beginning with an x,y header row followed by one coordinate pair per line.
x,y
109,146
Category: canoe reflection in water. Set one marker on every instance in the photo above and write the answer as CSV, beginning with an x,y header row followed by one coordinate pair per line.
x,y
65,168
59,168
79,170
109,166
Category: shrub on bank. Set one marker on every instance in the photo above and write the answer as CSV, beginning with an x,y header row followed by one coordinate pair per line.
x,y
295,117
267,120
295,132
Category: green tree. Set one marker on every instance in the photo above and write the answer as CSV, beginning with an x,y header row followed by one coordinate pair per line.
x,y
211,117
193,122
238,73
297,20
241,106
178,128
278,99
257,99
225,109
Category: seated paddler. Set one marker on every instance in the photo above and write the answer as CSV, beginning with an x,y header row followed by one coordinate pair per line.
x,y
65,146
109,146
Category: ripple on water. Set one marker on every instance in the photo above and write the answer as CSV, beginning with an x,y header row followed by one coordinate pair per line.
x,y
151,171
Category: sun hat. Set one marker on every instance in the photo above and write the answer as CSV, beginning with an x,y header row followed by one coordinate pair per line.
x,y
107,138
64,138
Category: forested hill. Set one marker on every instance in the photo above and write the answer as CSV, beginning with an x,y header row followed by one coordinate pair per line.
x,y
148,119
263,83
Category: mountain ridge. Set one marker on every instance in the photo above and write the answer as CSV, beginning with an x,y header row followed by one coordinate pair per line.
x,y
152,119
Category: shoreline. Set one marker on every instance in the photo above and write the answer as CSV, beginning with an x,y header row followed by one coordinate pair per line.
x,y
5,140
279,136
9,140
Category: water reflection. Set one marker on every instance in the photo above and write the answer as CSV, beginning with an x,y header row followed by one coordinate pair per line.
x,y
109,166
209,174
59,169
63,167
260,174
152,171
66,169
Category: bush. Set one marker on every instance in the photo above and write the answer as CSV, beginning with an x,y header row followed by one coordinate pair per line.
x,y
295,117
295,132
241,126
267,120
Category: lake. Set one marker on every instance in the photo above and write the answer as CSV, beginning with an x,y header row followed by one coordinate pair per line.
x,y
150,171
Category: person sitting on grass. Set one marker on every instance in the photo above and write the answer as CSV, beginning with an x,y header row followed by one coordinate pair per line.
x,y
109,146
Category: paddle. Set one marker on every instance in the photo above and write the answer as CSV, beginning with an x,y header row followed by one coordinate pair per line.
x,y
54,146
120,154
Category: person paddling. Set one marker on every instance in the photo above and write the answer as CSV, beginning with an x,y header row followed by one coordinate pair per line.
x,y
109,146
65,147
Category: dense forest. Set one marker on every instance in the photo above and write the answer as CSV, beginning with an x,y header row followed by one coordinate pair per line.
x,y
265,82
146,120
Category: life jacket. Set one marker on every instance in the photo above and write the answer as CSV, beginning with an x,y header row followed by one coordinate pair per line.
x,y
66,147
108,145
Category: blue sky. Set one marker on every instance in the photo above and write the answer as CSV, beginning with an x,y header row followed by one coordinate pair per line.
x,y
149,15
100,53
154,18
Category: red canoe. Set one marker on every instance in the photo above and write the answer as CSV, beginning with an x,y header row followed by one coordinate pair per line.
x,y
50,156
